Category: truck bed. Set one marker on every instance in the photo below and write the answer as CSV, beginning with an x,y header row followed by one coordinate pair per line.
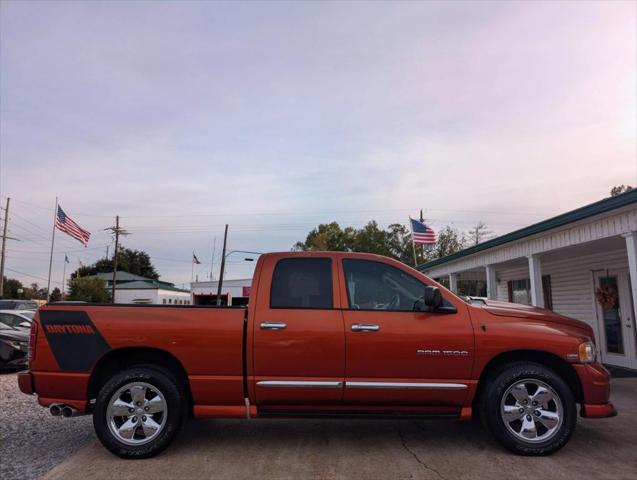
x,y
206,341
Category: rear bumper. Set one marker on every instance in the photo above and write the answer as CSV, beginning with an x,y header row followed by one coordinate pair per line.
x,y
595,382
25,383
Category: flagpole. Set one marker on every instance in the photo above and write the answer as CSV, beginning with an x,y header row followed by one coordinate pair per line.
x,y
64,277
192,273
413,245
48,283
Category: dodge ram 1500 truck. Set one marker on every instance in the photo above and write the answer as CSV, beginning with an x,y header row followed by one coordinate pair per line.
x,y
324,334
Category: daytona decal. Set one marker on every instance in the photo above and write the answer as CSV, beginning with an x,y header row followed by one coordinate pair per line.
x,y
74,340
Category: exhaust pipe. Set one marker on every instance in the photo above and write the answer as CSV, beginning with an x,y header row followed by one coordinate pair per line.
x,y
70,411
67,411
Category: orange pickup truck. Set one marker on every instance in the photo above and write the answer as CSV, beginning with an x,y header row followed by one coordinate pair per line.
x,y
325,334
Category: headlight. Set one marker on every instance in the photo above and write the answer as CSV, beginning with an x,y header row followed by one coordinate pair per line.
x,y
587,352
14,344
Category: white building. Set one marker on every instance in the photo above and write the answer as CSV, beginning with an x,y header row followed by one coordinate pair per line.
x,y
233,292
132,288
579,264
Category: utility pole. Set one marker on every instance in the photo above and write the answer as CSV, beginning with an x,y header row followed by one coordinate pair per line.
x,y
4,242
212,260
117,232
223,265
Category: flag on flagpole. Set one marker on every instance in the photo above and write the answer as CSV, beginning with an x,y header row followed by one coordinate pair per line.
x,y
195,260
68,226
422,234
66,259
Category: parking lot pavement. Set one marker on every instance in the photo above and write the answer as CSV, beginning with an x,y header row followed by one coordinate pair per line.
x,y
31,440
366,449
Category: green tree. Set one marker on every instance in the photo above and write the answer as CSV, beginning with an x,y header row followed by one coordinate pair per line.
x,y
394,242
328,237
35,292
136,262
619,189
89,289
11,286
450,241
56,295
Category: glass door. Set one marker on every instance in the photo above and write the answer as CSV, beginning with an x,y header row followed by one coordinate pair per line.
x,y
613,302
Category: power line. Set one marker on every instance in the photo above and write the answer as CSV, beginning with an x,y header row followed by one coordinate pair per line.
x,y
30,275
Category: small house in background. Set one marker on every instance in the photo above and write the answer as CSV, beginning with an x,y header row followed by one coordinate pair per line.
x,y
132,288
233,292
582,264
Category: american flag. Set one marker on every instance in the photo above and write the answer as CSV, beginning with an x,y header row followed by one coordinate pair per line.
x,y
422,233
68,226
195,260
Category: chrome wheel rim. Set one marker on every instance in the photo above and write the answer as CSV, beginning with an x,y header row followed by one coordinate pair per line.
x,y
531,410
136,413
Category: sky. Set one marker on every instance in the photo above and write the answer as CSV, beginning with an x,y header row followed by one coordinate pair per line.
x,y
273,117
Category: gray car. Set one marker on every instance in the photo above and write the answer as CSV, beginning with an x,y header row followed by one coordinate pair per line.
x,y
18,304
14,345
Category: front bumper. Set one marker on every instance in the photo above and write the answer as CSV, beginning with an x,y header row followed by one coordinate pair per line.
x,y
598,411
595,382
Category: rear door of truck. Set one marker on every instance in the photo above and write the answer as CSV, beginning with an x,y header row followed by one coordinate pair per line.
x,y
298,335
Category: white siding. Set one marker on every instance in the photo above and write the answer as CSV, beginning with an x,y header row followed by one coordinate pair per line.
x,y
571,282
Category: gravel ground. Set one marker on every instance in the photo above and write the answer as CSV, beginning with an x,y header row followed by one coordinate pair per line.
x,y
31,440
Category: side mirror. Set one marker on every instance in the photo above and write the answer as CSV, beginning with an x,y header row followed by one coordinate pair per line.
x,y
25,324
432,297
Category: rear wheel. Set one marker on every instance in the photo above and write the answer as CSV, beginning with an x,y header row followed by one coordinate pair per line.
x,y
529,409
138,412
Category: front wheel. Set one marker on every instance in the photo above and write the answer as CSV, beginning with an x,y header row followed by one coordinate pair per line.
x,y
138,412
529,409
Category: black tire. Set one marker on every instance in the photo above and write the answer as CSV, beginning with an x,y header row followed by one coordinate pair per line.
x,y
491,405
160,381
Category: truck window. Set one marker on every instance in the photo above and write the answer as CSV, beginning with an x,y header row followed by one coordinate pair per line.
x,y
302,283
378,286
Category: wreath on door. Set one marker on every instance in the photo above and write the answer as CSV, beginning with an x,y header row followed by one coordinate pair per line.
x,y
606,295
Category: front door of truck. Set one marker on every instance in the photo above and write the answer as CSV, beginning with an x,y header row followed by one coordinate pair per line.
x,y
398,354
298,338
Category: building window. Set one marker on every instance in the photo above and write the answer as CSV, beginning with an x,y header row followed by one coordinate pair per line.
x,y
164,301
520,291
170,300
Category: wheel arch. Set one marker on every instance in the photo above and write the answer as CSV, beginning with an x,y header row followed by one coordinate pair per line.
x,y
548,359
122,358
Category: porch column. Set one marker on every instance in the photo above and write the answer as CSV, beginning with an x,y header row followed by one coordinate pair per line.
x,y
492,283
453,282
631,249
535,276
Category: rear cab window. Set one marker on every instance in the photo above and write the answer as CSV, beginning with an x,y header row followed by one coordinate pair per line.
x,y
302,283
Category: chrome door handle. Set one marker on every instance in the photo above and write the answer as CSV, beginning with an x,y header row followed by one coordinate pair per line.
x,y
365,327
273,325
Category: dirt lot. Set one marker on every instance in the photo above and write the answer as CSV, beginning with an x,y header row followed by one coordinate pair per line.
x,y
327,449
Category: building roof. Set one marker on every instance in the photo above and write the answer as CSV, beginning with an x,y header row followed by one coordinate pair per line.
x,y
120,276
140,285
581,213
130,281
